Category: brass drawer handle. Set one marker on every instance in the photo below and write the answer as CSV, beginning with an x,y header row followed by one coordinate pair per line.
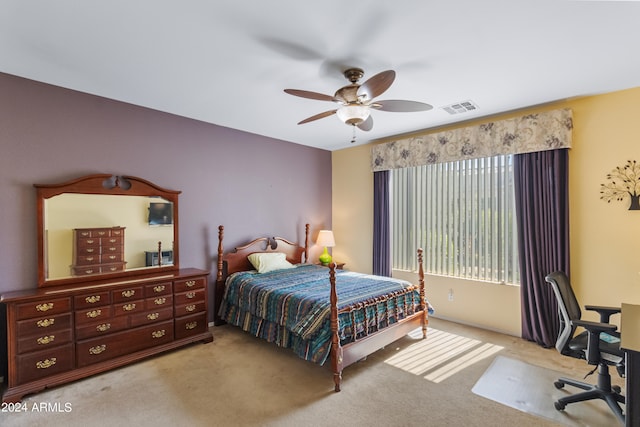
x,y
112,257
159,301
94,313
116,232
158,334
113,268
190,283
102,233
113,240
44,307
104,327
153,316
45,323
190,325
92,299
88,271
47,363
85,233
159,288
90,241
97,349
112,249
129,307
46,339
191,295
128,293
89,258
190,308
89,250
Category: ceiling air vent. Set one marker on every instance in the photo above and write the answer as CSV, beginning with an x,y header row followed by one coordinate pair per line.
x,y
460,107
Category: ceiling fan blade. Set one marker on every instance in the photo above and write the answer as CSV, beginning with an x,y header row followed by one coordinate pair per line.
x,y
318,116
400,106
367,125
377,84
310,95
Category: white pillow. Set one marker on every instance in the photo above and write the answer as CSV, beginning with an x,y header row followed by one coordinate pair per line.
x,y
265,262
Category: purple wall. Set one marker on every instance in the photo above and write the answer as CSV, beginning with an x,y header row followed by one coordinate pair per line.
x,y
253,185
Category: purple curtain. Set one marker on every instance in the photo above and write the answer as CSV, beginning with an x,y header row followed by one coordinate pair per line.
x,y
381,224
542,211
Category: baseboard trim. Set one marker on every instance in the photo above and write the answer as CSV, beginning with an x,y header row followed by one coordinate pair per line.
x,y
475,325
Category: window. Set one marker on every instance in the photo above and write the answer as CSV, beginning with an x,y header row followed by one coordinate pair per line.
x,y
462,214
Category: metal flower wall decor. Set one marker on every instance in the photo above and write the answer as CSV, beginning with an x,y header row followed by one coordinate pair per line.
x,y
625,183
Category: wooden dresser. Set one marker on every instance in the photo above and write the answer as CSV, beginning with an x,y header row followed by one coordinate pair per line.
x,y
98,250
63,333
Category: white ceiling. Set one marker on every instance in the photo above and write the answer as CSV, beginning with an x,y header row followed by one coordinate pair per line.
x,y
227,62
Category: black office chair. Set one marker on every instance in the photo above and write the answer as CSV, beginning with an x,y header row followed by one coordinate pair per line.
x,y
602,350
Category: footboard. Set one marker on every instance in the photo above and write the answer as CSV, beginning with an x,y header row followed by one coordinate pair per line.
x,y
371,341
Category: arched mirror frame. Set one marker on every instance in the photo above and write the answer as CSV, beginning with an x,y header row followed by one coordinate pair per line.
x,y
105,184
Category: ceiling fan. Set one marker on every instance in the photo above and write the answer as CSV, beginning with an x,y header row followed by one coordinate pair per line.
x,y
356,100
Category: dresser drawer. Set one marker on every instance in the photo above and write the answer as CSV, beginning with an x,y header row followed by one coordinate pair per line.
x,y
44,325
85,270
99,349
92,300
158,302
189,297
191,325
44,363
112,241
112,268
189,284
148,317
44,341
128,294
88,251
42,308
88,259
190,308
93,314
165,288
106,326
111,257
129,307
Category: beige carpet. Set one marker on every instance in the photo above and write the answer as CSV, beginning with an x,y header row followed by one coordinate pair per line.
x,y
527,388
239,380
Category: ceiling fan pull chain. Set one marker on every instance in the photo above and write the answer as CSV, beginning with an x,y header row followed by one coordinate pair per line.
x,y
353,139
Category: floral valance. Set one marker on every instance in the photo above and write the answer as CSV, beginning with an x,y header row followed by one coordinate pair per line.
x,y
526,134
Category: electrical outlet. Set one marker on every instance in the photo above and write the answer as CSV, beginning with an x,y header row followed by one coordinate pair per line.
x,y
450,294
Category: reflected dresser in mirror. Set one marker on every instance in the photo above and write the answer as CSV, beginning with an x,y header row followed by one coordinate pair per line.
x,y
99,303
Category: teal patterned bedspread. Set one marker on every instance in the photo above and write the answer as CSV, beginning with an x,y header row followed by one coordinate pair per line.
x,y
291,308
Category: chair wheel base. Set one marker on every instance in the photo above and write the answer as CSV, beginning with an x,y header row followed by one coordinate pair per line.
x,y
558,384
559,406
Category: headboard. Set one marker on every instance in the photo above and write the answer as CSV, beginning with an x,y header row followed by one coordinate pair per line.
x,y
236,260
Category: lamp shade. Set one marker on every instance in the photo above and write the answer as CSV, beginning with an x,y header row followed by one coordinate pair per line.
x,y
325,238
353,114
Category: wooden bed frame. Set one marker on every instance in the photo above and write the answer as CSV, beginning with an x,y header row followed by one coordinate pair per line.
x,y
341,355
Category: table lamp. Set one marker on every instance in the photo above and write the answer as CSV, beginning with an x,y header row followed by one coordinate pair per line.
x,y
325,238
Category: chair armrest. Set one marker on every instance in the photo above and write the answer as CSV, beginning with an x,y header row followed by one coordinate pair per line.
x,y
605,312
595,326
593,344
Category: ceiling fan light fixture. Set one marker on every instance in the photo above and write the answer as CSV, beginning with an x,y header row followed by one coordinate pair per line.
x,y
353,114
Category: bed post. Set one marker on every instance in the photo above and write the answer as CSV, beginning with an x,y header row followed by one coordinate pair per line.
x,y
219,286
423,302
220,252
306,243
336,350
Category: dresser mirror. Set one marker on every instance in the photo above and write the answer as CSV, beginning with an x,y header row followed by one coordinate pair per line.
x,y
105,226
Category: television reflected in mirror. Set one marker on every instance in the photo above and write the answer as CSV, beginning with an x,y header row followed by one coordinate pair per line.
x,y
160,213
